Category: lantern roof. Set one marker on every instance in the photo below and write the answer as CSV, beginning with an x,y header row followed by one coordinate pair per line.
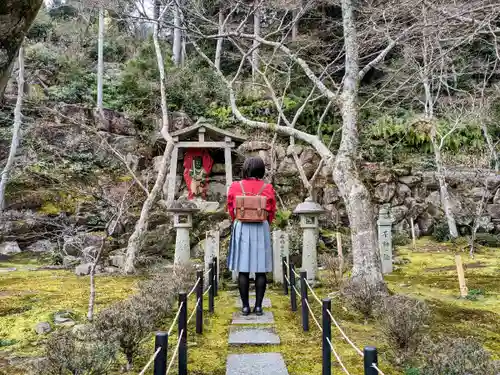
x,y
180,206
309,207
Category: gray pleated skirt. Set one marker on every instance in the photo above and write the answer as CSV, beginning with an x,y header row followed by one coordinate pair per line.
x,y
250,247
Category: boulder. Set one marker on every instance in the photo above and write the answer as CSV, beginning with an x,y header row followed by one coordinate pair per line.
x,y
117,260
10,247
225,228
384,176
411,181
41,246
64,318
485,224
402,226
398,213
309,160
251,146
433,201
75,245
402,170
384,192
402,192
110,270
297,148
477,193
114,122
425,222
70,260
287,167
198,250
179,120
43,328
430,180
331,195
83,269
494,211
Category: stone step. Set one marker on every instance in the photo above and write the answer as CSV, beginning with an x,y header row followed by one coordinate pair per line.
x,y
253,336
267,318
256,364
266,302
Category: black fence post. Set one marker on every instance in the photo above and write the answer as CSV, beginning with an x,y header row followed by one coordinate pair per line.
x,y
293,295
327,336
216,276
211,286
285,270
199,301
160,363
303,296
182,327
370,358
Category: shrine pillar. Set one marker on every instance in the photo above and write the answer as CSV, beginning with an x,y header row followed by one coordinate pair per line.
x,y
172,175
229,162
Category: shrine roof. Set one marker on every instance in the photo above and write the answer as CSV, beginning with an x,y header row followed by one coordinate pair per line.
x,y
210,129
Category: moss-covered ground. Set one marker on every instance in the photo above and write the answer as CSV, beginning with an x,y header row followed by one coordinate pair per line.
x,y
28,297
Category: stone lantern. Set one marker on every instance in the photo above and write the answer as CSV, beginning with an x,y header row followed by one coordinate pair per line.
x,y
183,222
308,212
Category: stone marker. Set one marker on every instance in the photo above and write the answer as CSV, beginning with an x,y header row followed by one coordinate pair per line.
x,y
266,302
281,248
183,222
256,364
212,249
253,336
385,238
267,318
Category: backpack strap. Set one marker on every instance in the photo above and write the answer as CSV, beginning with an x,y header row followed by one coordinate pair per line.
x,y
262,189
242,189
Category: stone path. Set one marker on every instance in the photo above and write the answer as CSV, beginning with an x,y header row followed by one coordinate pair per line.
x,y
254,330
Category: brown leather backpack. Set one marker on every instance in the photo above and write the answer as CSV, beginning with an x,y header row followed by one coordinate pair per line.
x,y
251,209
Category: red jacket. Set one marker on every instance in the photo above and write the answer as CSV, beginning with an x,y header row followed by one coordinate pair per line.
x,y
252,187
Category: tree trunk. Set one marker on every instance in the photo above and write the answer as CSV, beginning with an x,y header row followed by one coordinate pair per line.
x,y
256,31
15,131
135,239
218,49
100,60
443,186
16,18
177,43
491,147
366,257
90,312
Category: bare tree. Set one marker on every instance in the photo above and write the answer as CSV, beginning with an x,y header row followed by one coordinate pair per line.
x,y
17,17
177,52
100,61
15,130
135,239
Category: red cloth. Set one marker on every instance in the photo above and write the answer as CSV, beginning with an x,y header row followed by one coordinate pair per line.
x,y
252,187
207,163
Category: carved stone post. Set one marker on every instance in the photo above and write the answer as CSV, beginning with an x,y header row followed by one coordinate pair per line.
x,y
212,249
183,222
385,238
281,248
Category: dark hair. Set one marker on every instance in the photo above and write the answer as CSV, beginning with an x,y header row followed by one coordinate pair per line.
x,y
254,167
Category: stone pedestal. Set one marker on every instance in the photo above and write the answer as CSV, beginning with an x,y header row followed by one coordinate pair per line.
x,y
384,223
309,212
281,248
212,249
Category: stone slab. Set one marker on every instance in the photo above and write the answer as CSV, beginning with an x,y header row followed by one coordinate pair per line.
x,y
266,302
253,336
256,364
267,318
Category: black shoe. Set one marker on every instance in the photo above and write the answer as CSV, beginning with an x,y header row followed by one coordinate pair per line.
x,y
258,311
245,311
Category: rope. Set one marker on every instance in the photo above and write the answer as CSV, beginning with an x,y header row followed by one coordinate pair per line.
x,y
287,279
206,273
344,335
299,300
336,356
153,357
314,294
176,317
296,274
194,311
376,368
314,317
194,287
206,291
175,352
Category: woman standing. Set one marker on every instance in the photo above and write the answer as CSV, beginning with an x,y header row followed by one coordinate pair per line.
x,y
250,245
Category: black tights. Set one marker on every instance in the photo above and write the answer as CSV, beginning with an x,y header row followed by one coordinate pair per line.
x,y
244,286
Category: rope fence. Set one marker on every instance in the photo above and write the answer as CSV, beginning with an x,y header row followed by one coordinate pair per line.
x,y
159,357
369,354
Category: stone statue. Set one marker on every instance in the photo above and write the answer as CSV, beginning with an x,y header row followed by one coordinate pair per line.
x,y
197,167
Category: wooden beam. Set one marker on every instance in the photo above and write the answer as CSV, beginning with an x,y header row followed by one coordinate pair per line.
x,y
195,144
201,134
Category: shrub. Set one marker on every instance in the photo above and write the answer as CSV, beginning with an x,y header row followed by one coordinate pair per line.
x,y
128,323
441,232
488,239
64,354
361,296
403,320
463,356
401,238
331,264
